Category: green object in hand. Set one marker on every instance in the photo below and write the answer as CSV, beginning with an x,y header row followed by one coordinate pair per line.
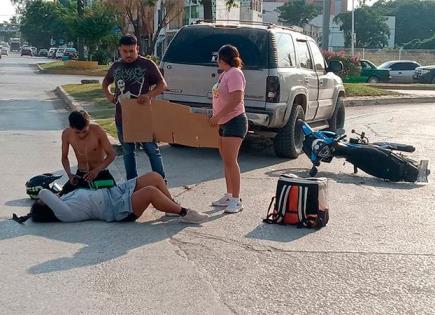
x,y
104,183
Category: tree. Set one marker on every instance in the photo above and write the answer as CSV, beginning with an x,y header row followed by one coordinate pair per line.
x,y
297,12
137,13
370,28
414,18
171,11
42,21
96,23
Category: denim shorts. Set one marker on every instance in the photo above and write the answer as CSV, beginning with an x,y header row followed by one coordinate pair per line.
x,y
236,127
118,200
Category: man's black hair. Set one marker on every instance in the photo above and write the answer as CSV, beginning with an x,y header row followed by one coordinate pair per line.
x,y
128,40
78,119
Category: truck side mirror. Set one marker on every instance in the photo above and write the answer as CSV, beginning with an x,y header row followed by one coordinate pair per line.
x,y
335,66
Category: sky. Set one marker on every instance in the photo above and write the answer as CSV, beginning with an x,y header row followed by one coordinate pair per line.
x,y
6,10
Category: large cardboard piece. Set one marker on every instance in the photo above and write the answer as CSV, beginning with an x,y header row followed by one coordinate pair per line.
x,y
167,122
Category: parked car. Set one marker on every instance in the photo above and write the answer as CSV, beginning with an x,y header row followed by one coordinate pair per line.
x,y
26,51
43,52
70,53
286,74
4,51
425,74
59,53
34,51
374,74
52,52
401,71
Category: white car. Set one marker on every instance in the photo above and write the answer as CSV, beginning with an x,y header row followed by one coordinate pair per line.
x,y
52,52
3,51
401,71
59,53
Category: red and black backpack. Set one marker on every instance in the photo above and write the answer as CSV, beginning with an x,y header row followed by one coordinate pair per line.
x,y
300,201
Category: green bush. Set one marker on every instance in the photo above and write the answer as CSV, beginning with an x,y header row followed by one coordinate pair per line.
x,y
351,65
153,58
102,56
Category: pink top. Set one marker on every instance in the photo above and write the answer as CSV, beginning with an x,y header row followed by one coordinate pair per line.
x,y
229,81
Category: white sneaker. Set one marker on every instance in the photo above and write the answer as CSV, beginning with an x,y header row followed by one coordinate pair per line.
x,y
234,205
223,202
194,217
169,214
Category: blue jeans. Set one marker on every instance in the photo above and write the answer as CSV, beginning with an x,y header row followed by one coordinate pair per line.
x,y
151,149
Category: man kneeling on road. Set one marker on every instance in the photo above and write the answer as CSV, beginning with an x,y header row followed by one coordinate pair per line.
x,y
93,152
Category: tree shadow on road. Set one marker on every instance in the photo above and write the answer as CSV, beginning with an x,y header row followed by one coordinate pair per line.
x,y
190,166
102,241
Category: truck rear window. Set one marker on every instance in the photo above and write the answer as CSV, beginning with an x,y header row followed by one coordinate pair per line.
x,y
198,45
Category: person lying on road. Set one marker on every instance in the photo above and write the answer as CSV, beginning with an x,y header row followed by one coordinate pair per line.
x,y
123,203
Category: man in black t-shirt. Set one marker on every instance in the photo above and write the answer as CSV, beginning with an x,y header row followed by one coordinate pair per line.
x,y
134,77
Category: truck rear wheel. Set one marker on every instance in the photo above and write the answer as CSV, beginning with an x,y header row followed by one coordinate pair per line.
x,y
289,140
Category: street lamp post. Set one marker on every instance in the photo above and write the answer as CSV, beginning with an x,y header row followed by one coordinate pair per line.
x,y
353,29
325,27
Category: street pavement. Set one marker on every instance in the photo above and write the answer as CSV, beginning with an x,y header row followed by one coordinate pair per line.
x,y
376,256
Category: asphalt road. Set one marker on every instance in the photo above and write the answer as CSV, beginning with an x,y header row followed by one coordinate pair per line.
x,y
376,256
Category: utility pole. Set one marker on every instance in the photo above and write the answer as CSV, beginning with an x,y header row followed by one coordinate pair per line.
x,y
326,20
80,11
353,29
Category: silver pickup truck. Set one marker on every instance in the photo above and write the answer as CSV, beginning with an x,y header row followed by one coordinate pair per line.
x,y
286,74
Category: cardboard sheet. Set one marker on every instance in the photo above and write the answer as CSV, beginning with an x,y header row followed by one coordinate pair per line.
x,y
167,122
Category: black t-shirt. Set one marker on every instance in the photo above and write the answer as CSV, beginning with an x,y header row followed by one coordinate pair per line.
x,y
131,80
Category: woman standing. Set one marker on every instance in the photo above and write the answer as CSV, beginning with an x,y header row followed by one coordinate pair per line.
x,y
229,114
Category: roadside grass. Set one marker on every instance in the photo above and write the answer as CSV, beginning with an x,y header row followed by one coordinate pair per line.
x,y
91,95
59,67
359,89
108,124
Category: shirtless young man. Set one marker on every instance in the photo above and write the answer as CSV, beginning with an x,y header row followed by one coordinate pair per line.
x,y
92,149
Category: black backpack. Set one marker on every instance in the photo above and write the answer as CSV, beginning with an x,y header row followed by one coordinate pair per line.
x,y
300,201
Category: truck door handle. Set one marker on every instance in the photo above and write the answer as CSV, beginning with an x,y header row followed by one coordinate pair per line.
x,y
400,72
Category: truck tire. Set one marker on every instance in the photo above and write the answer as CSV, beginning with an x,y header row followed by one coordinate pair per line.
x,y
337,119
288,142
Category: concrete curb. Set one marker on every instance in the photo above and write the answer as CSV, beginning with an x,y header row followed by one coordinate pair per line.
x,y
365,101
39,68
68,99
414,87
73,105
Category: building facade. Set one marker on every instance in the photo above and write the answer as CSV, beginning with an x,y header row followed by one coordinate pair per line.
x,y
191,11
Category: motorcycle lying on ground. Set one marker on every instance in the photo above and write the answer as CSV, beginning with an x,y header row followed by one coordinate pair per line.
x,y
379,159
